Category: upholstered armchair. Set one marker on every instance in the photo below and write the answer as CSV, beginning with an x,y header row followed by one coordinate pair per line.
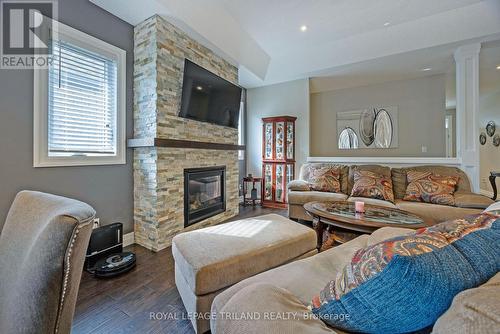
x,y
42,250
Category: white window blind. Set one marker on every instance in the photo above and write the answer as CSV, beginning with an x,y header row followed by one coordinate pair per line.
x,y
81,103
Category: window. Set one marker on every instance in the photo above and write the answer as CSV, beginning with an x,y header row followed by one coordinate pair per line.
x,y
80,103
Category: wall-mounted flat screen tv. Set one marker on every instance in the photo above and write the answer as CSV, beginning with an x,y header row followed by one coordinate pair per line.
x,y
209,98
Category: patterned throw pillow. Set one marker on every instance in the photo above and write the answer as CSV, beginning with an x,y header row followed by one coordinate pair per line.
x,y
372,185
405,283
430,188
325,179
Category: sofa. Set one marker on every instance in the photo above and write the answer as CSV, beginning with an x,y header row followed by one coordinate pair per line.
x,y
466,202
275,301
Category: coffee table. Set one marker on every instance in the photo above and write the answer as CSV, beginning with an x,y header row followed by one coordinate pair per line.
x,y
341,215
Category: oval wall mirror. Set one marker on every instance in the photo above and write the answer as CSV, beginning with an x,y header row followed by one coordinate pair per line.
x,y
366,126
383,129
348,139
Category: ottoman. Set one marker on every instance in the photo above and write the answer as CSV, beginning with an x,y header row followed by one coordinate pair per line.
x,y
209,260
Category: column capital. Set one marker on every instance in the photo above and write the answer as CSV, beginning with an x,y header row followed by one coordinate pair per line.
x,y
465,51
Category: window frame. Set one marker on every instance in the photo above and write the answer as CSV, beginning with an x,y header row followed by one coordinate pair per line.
x,y
41,156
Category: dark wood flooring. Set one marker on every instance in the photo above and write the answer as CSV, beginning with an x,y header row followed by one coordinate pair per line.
x,y
123,304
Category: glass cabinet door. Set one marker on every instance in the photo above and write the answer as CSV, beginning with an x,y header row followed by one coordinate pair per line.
x,y
289,177
289,173
268,141
289,140
280,138
268,182
280,178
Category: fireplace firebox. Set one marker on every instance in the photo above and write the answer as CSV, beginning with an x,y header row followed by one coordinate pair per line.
x,y
204,193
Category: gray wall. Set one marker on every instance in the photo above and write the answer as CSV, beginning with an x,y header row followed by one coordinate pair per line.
x,y
489,155
421,109
291,99
109,189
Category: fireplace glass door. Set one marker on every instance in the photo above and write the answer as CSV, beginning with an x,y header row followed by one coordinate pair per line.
x,y
203,193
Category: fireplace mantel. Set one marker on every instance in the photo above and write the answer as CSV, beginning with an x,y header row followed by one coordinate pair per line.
x,y
179,143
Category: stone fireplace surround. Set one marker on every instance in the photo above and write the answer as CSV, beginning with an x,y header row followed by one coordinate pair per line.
x,y
159,52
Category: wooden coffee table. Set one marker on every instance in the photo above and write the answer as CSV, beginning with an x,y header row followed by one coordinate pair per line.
x,y
342,216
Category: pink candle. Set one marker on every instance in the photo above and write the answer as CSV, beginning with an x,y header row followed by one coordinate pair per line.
x,y
359,207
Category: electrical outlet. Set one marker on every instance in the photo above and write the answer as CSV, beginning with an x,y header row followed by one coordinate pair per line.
x,y
96,223
424,149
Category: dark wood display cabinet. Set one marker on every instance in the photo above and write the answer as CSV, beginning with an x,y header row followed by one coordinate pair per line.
x,y
278,159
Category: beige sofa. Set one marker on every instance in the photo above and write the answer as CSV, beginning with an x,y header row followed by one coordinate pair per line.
x,y
275,301
467,202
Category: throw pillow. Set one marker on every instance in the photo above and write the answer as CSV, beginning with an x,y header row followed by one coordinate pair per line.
x,y
405,283
430,188
325,179
372,185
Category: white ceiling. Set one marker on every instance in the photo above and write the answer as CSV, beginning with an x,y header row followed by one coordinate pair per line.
x,y
263,37
409,65
275,24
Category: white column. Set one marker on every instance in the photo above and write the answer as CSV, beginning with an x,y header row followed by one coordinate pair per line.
x,y
467,75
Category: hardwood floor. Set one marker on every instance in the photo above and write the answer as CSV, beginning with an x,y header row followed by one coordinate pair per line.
x,y
123,304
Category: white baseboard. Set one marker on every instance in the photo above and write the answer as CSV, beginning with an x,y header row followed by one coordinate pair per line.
x,y
128,239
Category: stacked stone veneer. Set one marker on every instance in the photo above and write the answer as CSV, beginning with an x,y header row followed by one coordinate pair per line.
x,y
159,52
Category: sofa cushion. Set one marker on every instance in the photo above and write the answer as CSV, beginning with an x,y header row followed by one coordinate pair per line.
x,y
305,172
372,201
302,197
473,311
326,179
435,213
400,183
386,287
372,185
494,208
471,200
302,277
216,257
271,309
430,188
298,185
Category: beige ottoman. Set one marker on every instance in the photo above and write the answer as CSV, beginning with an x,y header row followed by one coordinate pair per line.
x,y
209,260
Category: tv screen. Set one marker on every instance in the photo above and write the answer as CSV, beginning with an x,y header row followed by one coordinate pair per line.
x,y
207,97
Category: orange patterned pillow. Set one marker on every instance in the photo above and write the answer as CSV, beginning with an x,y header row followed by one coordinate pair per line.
x,y
325,179
430,188
372,185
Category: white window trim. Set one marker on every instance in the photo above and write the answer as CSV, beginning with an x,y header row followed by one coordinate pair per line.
x,y
241,136
41,157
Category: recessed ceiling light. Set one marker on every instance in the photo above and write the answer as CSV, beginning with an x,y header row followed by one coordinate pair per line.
x,y
387,24
199,88
303,28
426,69
498,67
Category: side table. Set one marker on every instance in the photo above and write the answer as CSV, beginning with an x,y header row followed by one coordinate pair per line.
x,y
253,199
493,176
